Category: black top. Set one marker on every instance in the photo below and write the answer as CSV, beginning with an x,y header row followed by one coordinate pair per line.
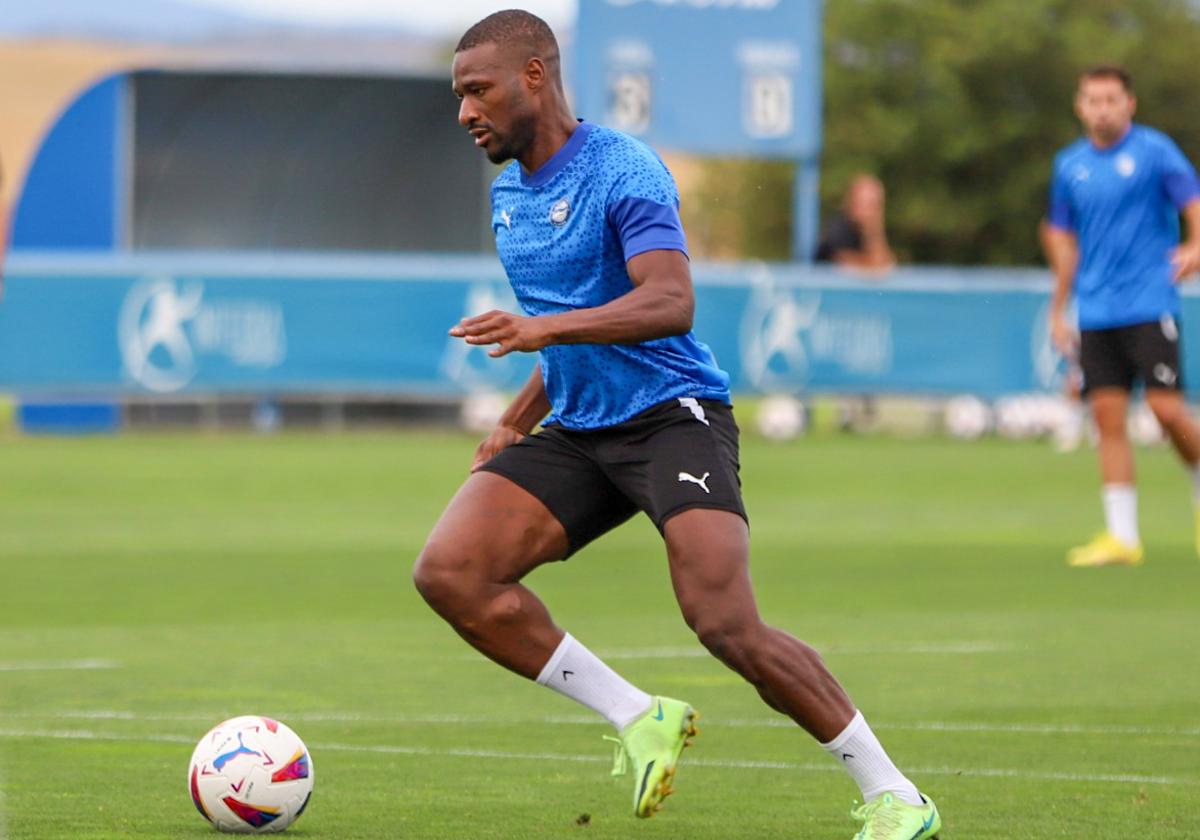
x,y
841,234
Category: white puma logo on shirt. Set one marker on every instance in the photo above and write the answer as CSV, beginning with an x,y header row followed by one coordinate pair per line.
x,y
689,477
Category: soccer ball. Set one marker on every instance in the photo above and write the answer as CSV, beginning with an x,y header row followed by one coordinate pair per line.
x,y
251,775
967,417
481,411
781,417
1143,426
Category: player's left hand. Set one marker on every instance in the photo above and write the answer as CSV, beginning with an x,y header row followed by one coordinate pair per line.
x,y
510,332
1186,260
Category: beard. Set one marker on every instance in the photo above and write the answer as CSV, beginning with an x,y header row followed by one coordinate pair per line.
x,y
520,135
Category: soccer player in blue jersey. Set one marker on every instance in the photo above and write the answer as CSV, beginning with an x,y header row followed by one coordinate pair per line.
x,y
635,416
1115,202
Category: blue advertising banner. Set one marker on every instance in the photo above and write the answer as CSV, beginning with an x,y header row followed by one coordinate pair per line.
x,y
114,325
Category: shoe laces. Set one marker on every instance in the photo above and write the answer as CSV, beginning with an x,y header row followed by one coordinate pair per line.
x,y
620,756
879,819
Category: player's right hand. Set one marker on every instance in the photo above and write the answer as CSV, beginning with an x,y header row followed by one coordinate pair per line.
x,y
501,437
1064,338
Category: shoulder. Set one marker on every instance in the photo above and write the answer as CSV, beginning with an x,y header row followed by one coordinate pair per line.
x,y
1154,139
1068,155
627,166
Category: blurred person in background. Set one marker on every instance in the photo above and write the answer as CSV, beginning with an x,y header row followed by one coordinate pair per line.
x,y
587,226
856,237
1113,241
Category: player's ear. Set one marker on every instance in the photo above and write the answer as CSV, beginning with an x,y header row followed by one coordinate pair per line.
x,y
535,73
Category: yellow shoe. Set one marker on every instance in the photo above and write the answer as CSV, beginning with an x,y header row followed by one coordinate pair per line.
x,y
651,745
1106,550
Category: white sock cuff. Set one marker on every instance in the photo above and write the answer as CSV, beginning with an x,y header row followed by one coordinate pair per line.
x,y
849,732
551,665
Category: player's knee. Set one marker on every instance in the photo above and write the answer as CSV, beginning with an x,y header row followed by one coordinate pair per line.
x,y
437,578
1111,425
1168,413
725,636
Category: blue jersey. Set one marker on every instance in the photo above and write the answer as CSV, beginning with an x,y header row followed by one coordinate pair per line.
x,y
564,234
1123,204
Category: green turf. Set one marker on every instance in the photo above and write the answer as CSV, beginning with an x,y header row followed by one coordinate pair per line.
x,y
238,574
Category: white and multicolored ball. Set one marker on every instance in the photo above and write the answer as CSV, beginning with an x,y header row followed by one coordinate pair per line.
x,y
781,417
251,775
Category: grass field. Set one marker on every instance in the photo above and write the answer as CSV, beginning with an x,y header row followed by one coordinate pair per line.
x,y
151,586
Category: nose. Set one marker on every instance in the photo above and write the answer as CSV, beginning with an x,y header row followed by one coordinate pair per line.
x,y
467,113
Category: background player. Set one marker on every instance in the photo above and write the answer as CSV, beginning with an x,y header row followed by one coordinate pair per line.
x,y
587,227
1114,240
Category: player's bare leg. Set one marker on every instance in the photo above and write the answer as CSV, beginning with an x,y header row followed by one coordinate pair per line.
x,y
1176,421
1109,409
1120,543
709,552
490,536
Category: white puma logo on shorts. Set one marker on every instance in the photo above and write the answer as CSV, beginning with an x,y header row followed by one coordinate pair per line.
x,y
689,477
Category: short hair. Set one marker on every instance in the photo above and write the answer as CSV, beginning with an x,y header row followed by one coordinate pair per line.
x,y
509,28
1108,71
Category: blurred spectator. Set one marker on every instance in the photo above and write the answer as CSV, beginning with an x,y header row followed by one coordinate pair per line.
x,y
855,237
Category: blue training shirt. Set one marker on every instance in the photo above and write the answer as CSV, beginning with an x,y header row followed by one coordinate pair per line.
x,y
1123,204
564,234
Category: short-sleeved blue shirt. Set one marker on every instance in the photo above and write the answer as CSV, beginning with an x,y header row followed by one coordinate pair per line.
x,y
1123,204
564,234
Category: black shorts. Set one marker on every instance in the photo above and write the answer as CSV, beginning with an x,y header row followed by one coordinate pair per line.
x,y
672,457
1120,356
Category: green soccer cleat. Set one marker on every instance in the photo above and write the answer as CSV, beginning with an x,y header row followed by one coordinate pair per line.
x,y
652,744
889,818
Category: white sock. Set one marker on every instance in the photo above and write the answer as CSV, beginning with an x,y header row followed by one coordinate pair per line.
x,y
1120,512
575,671
1194,471
859,751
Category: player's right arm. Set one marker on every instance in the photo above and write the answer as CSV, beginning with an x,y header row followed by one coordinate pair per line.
x,y
529,408
1062,252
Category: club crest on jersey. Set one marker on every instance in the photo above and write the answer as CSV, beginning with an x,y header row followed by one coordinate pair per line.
x,y
1125,164
560,212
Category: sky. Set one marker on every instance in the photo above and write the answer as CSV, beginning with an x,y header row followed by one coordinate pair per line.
x,y
434,16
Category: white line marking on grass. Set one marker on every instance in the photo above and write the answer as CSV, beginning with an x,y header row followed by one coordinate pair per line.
x,y
591,720
61,665
823,767
960,647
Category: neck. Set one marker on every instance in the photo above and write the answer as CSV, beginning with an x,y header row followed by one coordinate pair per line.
x,y
1107,142
552,134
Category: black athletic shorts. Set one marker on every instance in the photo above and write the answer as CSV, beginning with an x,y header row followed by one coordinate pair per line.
x,y
672,457
1120,356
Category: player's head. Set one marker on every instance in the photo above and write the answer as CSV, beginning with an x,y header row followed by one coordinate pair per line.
x,y
506,72
1105,103
864,197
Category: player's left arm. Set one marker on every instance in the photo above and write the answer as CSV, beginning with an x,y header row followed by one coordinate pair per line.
x,y
642,209
1186,257
1182,188
660,304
